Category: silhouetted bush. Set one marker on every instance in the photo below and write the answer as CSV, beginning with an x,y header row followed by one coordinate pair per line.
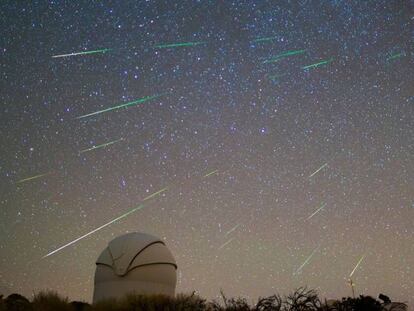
x,y
232,304
50,301
271,303
301,299
362,303
16,302
153,303
80,306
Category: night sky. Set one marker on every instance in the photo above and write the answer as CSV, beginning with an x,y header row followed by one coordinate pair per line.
x,y
274,174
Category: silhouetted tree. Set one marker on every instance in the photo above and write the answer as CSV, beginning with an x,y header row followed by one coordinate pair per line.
x,y
362,303
80,306
16,302
2,304
272,303
303,299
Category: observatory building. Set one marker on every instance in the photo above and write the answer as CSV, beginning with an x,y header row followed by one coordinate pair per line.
x,y
134,263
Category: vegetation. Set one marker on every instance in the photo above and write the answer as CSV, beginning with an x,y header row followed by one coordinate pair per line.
x,y
300,300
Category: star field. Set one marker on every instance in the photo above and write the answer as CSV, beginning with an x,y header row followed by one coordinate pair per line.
x,y
212,104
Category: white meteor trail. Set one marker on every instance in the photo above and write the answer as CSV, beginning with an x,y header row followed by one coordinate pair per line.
x,y
155,193
316,172
317,211
223,245
93,231
232,229
359,262
81,53
306,261
211,173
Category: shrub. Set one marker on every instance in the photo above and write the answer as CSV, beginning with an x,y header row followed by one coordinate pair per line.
x,y
301,299
16,302
272,303
50,301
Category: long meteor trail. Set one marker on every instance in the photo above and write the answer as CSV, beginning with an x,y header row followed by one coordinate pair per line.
x,y
31,178
317,211
176,45
82,53
356,266
155,193
93,231
283,55
306,261
318,64
135,102
316,172
101,146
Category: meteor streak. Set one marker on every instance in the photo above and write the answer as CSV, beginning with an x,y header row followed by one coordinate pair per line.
x,y
82,53
101,146
211,173
314,173
359,262
283,55
264,39
232,229
306,261
275,77
31,178
135,102
318,64
396,56
223,245
93,231
155,193
317,211
175,45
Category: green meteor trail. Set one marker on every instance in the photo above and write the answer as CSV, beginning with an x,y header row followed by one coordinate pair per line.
x,y
306,261
317,211
318,64
101,146
283,55
359,262
135,102
275,77
155,193
315,172
93,231
211,173
396,56
175,45
82,53
31,178
264,39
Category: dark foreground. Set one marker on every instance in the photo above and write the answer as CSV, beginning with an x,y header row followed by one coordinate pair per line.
x,y
301,300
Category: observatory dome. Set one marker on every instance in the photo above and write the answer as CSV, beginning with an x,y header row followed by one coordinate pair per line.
x,y
134,263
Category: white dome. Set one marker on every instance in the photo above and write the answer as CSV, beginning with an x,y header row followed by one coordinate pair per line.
x,y
134,263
